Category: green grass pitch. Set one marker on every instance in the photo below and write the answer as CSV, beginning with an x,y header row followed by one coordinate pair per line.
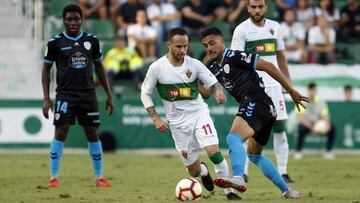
x,y
152,178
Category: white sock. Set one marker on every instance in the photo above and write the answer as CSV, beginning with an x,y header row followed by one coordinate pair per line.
x,y
204,170
281,149
222,171
246,169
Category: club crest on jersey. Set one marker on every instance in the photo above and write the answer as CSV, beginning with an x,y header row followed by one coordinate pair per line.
x,y
226,68
87,45
188,73
272,31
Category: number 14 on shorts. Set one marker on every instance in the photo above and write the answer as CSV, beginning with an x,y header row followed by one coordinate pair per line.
x,y
61,106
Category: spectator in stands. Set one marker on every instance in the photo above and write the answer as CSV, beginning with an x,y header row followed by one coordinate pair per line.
x,y
327,8
304,13
294,38
93,8
195,17
283,5
126,15
143,37
321,42
315,112
123,62
163,17
236,12
350,21
217,8
348,93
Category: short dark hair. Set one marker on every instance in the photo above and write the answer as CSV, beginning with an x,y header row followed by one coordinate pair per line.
x,y
211,31
176,31
347,87
72,8
311,85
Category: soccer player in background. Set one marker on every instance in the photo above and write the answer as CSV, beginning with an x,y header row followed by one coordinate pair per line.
x,y
263,36
73,51
235,70
176,76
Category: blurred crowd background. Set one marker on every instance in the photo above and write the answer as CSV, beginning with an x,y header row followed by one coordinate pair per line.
x,y
133,32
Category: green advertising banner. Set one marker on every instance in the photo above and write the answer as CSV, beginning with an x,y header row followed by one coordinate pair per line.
x,y
133,128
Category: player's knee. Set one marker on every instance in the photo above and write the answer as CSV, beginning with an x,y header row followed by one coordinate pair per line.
x,y
254,158
212,149
233,138
279,127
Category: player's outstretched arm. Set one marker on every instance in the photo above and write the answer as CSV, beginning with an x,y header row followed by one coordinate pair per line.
x,y
207,92
278,76
100,73
160,125
219,93
45,80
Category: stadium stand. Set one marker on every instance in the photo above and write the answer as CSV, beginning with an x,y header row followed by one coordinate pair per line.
x,y
103,29
56,7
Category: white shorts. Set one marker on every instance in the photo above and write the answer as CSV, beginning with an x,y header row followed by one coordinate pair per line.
x,y
277,97
195,132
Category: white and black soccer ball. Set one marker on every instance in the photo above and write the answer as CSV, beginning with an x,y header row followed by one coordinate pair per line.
x,y
188,189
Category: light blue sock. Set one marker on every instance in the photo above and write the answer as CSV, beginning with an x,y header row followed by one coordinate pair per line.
x,y
95,151
269,170
237,153
56,151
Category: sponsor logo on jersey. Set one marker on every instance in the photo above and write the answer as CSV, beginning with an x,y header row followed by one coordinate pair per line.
x,y
188,73
267,47
78,60
179,92
228,84
87,45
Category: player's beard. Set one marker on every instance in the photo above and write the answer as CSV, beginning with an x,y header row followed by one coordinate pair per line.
x,y
257,18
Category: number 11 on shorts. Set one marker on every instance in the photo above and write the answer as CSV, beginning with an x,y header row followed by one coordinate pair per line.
x,y
207,129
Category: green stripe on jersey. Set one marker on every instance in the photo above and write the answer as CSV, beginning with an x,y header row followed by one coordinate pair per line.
x,y
178,91
263,47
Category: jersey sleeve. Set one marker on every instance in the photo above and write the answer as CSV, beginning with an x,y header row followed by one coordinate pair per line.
x,y
242,59
150,80
205,76
238,39
50,52
96,52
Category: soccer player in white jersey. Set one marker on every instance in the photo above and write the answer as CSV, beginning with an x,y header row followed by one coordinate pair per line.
x,y
176,76
263,36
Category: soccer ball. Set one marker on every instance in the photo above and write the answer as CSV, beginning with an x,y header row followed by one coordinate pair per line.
x,y
188,189
321,126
